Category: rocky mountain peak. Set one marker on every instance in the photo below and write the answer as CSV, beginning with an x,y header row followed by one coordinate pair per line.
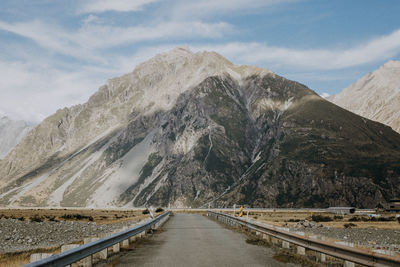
x,y
392,64
189,129
161,79
375,96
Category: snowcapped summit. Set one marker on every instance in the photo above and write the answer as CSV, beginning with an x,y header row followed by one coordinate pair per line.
x,y
375,96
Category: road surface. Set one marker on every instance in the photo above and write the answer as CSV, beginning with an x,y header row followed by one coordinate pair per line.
x,y
195,240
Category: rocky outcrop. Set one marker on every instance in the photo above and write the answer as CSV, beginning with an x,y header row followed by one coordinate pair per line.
x,y
195,130
375,96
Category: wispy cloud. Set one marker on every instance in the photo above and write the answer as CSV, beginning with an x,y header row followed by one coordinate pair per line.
x,y
206,8
94,40
99,6
84,42
377,49
27,91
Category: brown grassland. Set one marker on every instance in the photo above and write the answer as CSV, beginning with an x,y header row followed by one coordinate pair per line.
x,y
85,215
289,218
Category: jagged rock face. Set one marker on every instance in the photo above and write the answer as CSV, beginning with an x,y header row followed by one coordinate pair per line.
x,y
229,135
11,132
375,96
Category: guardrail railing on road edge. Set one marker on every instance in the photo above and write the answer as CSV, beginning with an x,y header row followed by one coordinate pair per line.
x,y
84,251
346,253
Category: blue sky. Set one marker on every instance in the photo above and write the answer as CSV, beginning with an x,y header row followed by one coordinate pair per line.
x,y
57,53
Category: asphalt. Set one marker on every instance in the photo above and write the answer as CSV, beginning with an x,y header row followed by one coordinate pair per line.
x,y
195,240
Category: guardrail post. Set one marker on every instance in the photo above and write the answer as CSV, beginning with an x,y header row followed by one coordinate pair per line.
x,y
68,247
39,256
267,238
124,243
116,248
99,255
132,239
285,244
301,250
321,257
88,261
346,263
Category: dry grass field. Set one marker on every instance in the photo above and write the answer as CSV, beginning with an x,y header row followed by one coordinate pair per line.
x,y
22,258
289,218
84,215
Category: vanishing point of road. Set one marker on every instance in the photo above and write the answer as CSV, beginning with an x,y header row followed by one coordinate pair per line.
x,y
195,240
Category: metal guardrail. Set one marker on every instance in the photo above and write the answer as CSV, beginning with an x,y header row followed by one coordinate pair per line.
x,y
81,252
356,255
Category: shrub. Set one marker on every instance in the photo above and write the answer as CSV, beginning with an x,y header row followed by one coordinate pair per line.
x,y
76,217
146,211
36,218
321,218
21,218
388,219
355,219
159,210
338,217
294,220
349,225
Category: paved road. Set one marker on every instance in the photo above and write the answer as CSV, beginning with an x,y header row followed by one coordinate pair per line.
x,y
195,240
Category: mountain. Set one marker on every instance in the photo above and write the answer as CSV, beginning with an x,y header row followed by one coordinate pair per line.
x,y
375,96
11,132
193,129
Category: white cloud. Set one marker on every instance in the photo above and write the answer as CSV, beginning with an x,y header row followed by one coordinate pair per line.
x,y
378,49
99,6
32,91
84,43
207,8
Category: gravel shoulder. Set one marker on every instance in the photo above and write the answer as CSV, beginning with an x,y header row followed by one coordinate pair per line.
x,y
369,237
18,236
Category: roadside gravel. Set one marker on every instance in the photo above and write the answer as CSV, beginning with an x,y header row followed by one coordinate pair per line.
x,y
370,237
16,235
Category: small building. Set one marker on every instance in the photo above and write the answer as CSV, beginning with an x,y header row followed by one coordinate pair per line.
x,y
394,205
341,210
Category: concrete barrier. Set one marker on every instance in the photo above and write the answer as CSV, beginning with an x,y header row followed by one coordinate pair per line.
x,y
39,256
285,244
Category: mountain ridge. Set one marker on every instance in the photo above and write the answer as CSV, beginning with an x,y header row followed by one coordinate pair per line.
x,y
188,129
375,96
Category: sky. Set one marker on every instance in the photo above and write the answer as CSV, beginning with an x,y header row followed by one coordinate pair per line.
x,y
54,54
